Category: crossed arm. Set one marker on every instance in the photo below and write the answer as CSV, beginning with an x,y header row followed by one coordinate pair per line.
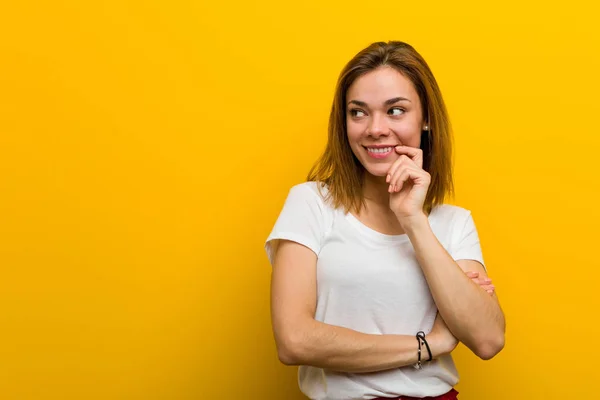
x,y
472,315
301,340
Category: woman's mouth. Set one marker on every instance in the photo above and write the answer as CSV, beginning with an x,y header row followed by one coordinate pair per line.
x,y
379,152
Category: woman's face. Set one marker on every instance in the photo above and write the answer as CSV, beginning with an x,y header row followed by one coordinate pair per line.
x,y
383,110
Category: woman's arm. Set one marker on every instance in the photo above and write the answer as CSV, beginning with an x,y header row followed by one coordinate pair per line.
x,y
472,315
301,340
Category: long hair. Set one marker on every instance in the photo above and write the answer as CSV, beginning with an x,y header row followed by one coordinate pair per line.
x,y
338,167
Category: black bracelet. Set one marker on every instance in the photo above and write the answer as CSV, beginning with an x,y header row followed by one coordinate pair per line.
x,y
421,337
418,364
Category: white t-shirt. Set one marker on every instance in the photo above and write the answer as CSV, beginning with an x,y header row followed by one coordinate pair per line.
x,y
372,283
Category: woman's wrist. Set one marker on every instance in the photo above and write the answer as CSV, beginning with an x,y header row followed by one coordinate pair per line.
x,y
414,222
440,344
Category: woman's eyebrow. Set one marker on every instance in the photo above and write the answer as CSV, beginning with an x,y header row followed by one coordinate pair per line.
x,y
395,100
386,103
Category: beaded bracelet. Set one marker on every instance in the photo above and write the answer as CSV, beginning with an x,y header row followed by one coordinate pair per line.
x,y
421,340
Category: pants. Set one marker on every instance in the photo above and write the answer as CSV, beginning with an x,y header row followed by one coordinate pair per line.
x,y
451,395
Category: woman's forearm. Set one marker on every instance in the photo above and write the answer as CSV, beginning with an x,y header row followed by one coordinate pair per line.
x,y
340,349
472,315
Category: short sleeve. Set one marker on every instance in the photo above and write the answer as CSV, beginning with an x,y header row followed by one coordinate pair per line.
x,y
301,220
467,245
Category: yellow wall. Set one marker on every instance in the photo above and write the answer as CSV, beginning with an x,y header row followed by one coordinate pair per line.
x,y
146,149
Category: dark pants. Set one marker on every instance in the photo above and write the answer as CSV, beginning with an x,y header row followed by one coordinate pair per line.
x,y
451,395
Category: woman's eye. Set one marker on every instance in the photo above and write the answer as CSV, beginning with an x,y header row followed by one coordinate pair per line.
x,y
396,111
357,113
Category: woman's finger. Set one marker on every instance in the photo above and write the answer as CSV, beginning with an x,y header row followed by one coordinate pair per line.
x,y
407,171
482,281
395,166
403,174
414,153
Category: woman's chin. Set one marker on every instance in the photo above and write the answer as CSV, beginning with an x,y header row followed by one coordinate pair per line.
x,y
379,171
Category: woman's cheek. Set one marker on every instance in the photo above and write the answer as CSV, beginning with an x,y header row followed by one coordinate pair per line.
x,y
354,132
408,135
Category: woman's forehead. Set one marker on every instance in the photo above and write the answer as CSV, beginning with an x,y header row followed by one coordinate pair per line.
x,y
381,84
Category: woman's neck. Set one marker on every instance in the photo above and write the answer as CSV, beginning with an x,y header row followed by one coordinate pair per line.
x,y
376,213
375,190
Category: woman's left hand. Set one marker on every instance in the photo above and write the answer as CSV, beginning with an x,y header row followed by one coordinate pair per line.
x,y
408,184
484,283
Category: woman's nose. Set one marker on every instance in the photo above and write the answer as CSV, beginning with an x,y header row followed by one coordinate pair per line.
x,y
378,126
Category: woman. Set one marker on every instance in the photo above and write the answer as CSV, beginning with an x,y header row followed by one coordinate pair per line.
x,y
375,279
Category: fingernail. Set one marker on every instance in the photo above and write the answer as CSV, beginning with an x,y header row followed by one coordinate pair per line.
x,y
387,178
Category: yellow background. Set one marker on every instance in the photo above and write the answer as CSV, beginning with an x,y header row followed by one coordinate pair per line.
x,y
147,147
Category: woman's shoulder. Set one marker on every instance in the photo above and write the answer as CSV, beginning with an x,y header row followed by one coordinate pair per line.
x,y
311,190
450,213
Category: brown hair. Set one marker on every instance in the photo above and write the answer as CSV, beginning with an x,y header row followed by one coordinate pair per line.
x,y
338,167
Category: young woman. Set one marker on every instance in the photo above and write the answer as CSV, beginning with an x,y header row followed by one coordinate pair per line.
x,y
375,278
